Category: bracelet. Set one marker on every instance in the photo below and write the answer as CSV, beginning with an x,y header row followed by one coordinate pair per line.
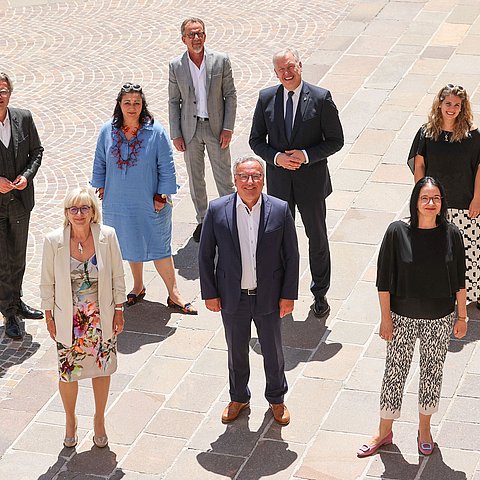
x,y
120,309
464,319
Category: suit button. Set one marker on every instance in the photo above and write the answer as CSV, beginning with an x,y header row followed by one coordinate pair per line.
x,y
194,116
194,103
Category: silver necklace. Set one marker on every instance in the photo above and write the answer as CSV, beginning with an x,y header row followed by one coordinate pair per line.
x,y
80,246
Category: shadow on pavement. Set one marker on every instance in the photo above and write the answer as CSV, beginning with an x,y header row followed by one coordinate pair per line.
x,y
301,336
85,465
15,352
432,467
146,322
186,260
229,451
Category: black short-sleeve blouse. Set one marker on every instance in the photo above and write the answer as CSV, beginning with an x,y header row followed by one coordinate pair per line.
x,y
422,269
454,164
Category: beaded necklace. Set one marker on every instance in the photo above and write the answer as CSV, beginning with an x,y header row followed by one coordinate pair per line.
x,y
133,148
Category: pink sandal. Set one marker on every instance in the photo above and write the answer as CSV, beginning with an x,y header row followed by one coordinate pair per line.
x,y
367,450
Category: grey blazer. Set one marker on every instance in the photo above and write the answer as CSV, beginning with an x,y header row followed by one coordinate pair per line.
x,y
221,96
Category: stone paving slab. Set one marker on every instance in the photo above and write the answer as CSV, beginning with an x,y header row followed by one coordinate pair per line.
x,y
383,60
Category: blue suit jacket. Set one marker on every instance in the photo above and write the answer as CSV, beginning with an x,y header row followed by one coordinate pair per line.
x,y
277,255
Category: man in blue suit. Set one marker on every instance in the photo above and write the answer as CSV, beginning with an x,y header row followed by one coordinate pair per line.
x,y
295,129
249,266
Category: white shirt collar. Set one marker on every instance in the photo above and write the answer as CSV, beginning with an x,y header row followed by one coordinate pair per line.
x,y
7,119
257,204
296,92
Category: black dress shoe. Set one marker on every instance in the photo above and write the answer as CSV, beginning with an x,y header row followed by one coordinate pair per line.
x,y
28,312
197,233
12,328
321,308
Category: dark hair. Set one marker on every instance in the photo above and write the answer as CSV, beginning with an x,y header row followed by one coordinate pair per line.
x,y
442,216
145,115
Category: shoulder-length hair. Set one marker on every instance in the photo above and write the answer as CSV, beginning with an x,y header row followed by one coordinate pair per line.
x,y
82,196
442,216
464,121
145,115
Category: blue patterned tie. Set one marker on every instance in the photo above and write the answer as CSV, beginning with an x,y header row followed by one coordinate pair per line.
x,y
289,116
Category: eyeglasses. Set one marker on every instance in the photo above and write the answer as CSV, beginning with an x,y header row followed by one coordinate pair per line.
x,y
192,35
129,87
4,93
451,86
243,177
424,200
84,209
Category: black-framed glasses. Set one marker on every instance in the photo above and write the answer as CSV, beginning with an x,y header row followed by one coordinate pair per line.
x,y
131,87
4,93
84,209
451,86
243,177
425,200
192,35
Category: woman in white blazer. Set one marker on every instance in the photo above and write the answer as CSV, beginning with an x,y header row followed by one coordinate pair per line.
x,y
83,289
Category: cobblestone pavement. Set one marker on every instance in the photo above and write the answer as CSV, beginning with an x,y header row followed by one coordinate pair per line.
x,y
383,61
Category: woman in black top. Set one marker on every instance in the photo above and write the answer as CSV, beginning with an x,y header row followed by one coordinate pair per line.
x,y
447,148
420,278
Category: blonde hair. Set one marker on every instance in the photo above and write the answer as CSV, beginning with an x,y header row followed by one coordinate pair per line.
x,y
82,196
464,121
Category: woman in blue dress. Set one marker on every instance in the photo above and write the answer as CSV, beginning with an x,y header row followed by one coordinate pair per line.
x,y
134,174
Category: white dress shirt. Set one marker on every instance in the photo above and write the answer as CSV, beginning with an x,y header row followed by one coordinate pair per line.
x,y
247,226
199,79
5,131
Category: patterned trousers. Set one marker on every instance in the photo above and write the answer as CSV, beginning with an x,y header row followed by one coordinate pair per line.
x,y
434,338
470,229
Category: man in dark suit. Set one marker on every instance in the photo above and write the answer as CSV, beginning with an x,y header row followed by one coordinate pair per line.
x,y
249,264
202,107
20,157
295,129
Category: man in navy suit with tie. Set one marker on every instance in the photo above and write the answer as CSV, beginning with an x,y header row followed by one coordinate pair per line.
x,y
249,264
295,129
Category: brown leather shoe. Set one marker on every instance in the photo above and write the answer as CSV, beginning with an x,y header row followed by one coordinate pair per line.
x,y
232,411
280,413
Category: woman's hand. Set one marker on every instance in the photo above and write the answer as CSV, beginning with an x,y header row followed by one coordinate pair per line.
x,y
460,327
157,205
52,329
474,208
118,322
386,328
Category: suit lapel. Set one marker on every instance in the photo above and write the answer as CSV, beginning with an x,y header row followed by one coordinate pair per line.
x,y
186,70
208,69
303,104
231,216
264,214
15,130
279,114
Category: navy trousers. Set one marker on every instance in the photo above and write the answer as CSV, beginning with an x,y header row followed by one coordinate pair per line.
x,y
237,333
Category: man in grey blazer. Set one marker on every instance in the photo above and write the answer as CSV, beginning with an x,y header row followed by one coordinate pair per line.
x,y
20,157
202,108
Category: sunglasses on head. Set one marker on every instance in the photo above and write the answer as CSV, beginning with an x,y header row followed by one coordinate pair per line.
x,y
131,87
451,86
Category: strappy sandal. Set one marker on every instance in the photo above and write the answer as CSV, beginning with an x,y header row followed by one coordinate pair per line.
x,y
132,299
187,308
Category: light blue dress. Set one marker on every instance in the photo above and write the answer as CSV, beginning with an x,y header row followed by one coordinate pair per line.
x,y
132,172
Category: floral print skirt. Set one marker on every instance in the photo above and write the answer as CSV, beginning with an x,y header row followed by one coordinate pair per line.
x,y
90,355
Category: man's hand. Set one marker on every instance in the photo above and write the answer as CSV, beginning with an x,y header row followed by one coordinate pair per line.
x,y
179,144
213,304
6,185
20,183
100,192
297,156
225,139
286,306
287,161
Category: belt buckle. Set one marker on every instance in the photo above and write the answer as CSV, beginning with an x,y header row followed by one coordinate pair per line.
x,y
251,291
